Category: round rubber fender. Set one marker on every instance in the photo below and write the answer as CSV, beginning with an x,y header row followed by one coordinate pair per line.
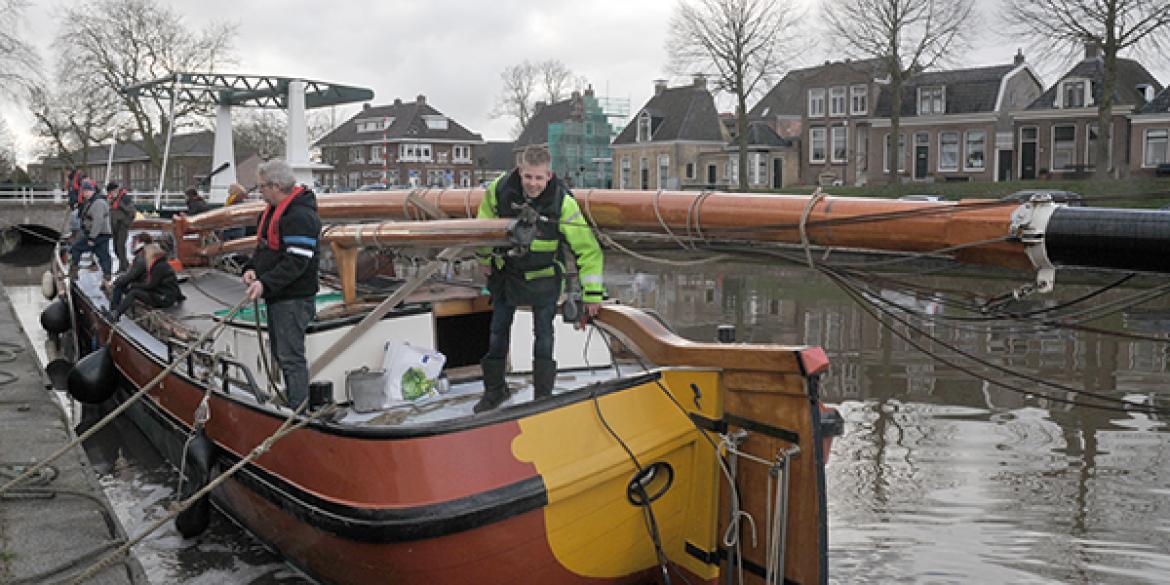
x,y
199,458
93,379
48,285
55,317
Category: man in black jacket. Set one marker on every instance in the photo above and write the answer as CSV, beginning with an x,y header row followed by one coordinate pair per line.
x,y
283,270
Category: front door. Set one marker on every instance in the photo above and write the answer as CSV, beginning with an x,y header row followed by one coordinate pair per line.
x,y
777,173
1005,165
921,155
1028,152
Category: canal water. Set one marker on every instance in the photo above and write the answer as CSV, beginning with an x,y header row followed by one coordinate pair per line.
x,y
943,474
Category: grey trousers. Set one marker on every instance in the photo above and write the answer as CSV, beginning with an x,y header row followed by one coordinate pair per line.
x,y
287,321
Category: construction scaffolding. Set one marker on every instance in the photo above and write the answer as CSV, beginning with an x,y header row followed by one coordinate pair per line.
x,y
579,144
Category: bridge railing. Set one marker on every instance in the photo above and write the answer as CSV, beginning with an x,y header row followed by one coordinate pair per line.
x,y
144,200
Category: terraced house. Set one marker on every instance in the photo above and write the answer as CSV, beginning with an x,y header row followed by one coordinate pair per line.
x,y
404,143
1149,137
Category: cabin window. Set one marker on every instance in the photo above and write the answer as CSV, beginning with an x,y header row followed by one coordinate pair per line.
x,y
948,151
1155,151
816,152
976,151
1064,141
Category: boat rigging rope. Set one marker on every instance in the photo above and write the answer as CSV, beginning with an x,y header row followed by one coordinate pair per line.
x,y
128,402
661,221
289,425
803,226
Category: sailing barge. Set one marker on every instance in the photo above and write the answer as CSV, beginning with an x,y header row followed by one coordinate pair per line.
x,y
630,473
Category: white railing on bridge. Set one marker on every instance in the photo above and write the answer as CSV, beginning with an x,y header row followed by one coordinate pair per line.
x,y
144,200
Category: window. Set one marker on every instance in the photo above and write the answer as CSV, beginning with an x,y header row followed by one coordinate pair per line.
x,y
1064,140
643,127
624,181
837,101
462,153
816,151
901,153
948,151
1155,152
732,169
374,124
357,154
858,100
690,171
410,152
377,152
838,134
976,148
644,172
1073,94
436,122
464,178
932,101
663,170
816,103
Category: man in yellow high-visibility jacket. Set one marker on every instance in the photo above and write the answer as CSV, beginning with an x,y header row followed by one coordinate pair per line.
x,y
536,277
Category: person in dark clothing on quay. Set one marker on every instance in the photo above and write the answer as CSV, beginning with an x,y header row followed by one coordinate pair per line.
x,y
535,278
122,212
94,215
158,290
283,270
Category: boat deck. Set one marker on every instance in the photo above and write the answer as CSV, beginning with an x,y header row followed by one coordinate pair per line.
x,y
209,292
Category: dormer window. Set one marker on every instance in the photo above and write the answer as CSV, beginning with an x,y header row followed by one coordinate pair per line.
x,y
374,124
932,101
643,127
1074,93
436,122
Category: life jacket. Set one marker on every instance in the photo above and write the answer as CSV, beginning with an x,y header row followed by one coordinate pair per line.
x,y
536,276
273,232
116,200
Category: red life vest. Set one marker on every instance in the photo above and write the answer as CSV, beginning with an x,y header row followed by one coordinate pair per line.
x,y
161,258
116,202
274,223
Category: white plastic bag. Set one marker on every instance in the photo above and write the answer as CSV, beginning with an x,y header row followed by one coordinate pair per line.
x,y
411,372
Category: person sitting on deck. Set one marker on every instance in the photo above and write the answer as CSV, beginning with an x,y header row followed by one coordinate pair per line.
x,y
196,204
160,288
136,272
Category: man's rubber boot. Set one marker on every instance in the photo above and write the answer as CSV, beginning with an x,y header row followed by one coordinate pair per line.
x,y
544,376
495,388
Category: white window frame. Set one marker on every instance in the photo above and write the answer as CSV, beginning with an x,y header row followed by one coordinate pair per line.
x,y
816,102
690,170
663,170
901,153
624,175
461,153
942,151
644,128
858,100
377,152
1072,149
1165,140
815,134
967,141
834,132
838,101
937,104
357,154
1086,93
436,122
731,169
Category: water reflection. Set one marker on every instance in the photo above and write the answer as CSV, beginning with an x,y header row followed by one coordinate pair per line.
x,y
941,476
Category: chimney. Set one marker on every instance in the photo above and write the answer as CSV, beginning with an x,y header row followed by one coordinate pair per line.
x,y
589,90
699,81
1092,49
659,86
536,108
366,106
421,99
398,101
1019,59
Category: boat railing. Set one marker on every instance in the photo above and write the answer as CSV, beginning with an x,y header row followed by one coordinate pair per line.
x,y
224,364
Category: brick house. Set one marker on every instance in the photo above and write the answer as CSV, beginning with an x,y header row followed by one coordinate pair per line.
x,y
494,158
190,162
675,141
956,125
1149,137
1057,133
576,132
402,143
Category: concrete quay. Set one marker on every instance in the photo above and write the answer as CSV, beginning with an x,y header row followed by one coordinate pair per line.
x,y
59,522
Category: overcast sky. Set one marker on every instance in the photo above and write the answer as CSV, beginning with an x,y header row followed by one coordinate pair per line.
x,y
453,51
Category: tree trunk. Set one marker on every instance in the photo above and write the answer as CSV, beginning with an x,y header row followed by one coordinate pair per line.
x,y
893,144
741,126
1104,164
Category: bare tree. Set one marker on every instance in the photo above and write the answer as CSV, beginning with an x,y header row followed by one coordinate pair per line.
x,y
264,132
909,36
73,115
19,62
520,85
1065,26
741,44
124,42
559,81
7,150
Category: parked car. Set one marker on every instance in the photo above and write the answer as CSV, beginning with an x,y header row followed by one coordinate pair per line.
x,y
922,198
1067,197
373,187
